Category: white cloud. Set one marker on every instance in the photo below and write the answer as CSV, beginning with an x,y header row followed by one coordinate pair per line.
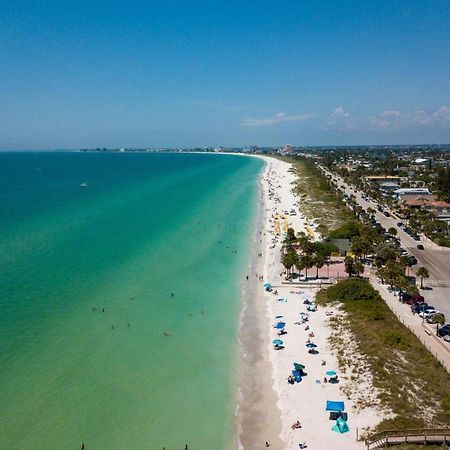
x,y
341,120
338,115
389,113
278,118
442,114
419,118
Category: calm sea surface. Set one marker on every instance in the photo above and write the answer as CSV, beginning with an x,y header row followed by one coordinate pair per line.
x,y
86,283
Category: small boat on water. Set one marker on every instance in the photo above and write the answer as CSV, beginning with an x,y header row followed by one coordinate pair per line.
x,y
84,185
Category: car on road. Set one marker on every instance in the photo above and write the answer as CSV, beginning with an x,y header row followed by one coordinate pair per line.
x,y
416,306
420,247
427,313
400,224
444,331
416,237
412,260
412,299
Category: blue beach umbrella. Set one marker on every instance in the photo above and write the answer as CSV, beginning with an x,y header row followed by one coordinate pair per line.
x,y
280,325
277,342
267,286
311,345
330,373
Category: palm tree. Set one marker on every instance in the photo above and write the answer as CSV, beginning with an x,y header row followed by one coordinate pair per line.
x,y
306,262
422,272
349,262
319,261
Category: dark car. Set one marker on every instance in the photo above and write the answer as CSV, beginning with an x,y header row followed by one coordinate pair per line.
x,y
420,247
423,307
444,331
417,307
400,224
412,260
416,237
413,299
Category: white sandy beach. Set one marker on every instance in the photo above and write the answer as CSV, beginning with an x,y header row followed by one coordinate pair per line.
x,y
304,401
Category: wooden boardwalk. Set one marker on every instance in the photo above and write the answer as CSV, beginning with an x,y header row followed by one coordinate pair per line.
x,y
424,436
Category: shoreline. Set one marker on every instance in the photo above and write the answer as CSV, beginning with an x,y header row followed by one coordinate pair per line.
x,y
257,419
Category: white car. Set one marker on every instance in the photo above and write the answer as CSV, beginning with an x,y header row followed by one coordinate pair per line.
x,y
427,313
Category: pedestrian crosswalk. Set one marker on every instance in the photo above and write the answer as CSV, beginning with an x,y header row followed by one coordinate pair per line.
x,y
437,283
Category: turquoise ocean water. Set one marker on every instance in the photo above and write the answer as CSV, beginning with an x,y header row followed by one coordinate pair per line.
x,y
147,226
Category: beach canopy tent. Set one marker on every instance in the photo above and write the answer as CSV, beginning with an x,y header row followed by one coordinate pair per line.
x,y
341,425
267,286
311,345
330,373
297,375
277,342
280,325
335,406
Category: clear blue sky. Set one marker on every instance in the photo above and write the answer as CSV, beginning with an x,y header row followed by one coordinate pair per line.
x,y
186,73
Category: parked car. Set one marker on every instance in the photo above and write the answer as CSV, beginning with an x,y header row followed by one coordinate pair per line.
x,y
427,313
420,247
416,237
400,224
416,306
413,299
444,331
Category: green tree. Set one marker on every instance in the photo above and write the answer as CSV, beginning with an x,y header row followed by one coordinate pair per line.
x,y
386,253
288,260
349,265
306,262
439,318
319,261
362,246
422,272
392,231
402,284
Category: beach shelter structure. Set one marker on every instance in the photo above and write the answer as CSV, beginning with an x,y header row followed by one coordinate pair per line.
x,y
311,345
334,406
330,373
277,342
267,286
341,425
298,366
280,325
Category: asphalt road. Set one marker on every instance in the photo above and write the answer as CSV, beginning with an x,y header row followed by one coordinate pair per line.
x,y
435,258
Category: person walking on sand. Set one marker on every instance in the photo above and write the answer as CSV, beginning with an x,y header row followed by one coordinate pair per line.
x,y
267,444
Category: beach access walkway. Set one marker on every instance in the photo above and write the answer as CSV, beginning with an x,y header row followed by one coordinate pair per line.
x,y
424,332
